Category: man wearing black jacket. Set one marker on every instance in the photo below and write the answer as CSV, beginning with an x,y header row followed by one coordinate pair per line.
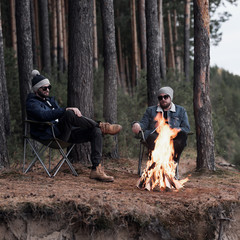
x,y
69,123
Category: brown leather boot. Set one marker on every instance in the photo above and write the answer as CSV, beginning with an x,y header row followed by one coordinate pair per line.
x,y
100,175
108,128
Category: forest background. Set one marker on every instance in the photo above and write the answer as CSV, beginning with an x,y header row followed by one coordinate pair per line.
x,y
132,98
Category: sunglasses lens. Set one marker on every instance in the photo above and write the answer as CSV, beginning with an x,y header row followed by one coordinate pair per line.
x,y
165,97
45,88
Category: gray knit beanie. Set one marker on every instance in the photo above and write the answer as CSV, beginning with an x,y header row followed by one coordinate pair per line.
x,y
38,80
166,90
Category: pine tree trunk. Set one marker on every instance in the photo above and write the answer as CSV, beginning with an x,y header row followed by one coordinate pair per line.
x,y
110,58
54,33
186,40
37,37
202,104
121,62
65,36
4,107
110,69
60,36
128,77
44,36
153,51
162,41
33,27
13,25
24,46
95,38
177,47
143,39
80,67
135,68
171,58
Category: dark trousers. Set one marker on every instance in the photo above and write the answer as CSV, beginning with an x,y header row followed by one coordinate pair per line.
x,y
179,143
76,129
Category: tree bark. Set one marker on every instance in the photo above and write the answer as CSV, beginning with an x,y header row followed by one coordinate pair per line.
x,y
143,39
65,36
60,36
153,51
37,31
95,38
128,76
162,41
54,33
135,68
186,40
110,58
4,107
80,67
176,44
13,25
24,46
202,103
121,62
171,58
33,27
44,36
110,67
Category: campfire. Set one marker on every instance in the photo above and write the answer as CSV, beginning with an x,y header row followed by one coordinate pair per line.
x,y
160,170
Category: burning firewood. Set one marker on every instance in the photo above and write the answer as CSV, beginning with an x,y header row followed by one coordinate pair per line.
x,y
160,170
147,183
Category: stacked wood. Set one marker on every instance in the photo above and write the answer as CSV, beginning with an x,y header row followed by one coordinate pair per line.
x,y
150,181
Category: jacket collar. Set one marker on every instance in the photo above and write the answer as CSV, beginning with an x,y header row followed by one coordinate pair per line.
x,y
172,109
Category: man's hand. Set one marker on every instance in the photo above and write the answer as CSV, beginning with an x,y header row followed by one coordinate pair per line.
x,y
136,128
75,110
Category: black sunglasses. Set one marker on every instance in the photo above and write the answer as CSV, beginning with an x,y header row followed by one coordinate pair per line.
x,y
45,88
165,97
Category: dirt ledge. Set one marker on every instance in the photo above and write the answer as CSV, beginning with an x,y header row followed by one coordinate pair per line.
x,y
34,206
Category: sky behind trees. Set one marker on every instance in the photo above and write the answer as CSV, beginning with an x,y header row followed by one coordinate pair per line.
x,y
227,54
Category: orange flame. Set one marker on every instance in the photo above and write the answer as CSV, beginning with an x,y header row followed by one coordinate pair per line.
x,y
160,170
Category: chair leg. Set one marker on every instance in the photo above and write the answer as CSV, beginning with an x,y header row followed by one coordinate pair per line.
x,y
37,157
49,159
177,172
64,159
24,153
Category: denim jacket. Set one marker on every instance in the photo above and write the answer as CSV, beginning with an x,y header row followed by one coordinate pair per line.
x,y
43,111
177,118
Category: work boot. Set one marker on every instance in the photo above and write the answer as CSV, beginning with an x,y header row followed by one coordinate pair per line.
x,y
108,128
100,175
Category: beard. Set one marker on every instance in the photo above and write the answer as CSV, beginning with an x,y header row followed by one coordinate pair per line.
x,y
41,94
165,105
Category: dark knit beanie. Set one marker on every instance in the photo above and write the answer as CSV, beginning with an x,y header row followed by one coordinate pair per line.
x,y
38,80
166,90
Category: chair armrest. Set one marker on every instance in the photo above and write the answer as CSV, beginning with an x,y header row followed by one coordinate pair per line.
x,y
140,135
50,124
37,122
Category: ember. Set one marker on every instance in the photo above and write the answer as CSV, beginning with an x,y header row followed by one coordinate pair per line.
x,y
160,170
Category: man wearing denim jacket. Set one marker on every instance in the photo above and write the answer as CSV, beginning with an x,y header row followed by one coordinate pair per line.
x,y
176,117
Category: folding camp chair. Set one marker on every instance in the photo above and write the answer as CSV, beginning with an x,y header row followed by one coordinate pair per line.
x,y
143,144
53,143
